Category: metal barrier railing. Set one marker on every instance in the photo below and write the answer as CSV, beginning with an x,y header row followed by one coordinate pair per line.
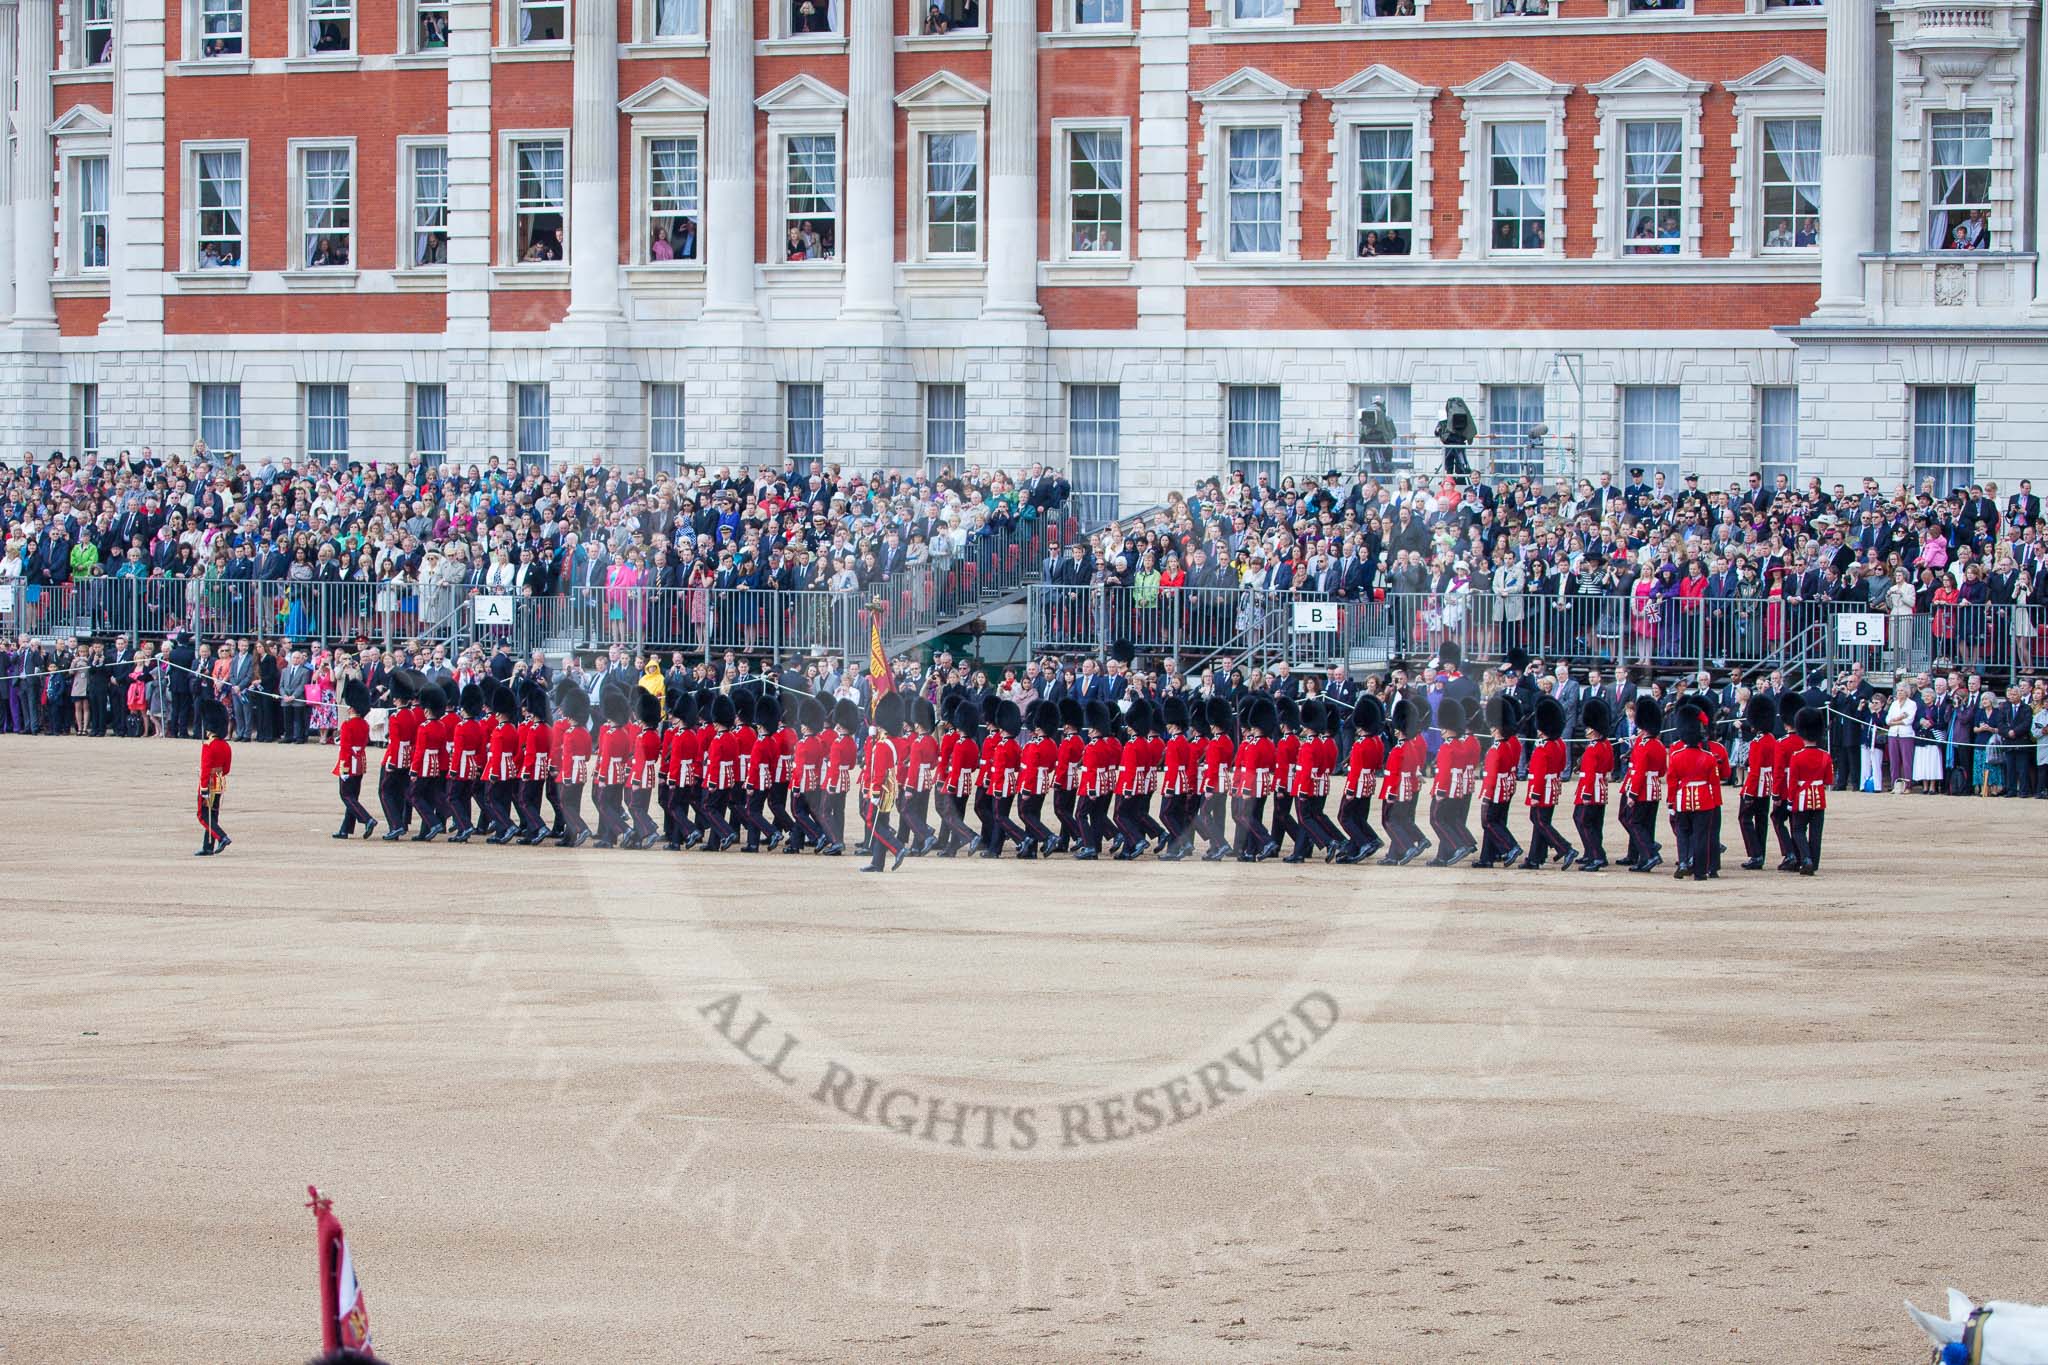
x,y
1667,634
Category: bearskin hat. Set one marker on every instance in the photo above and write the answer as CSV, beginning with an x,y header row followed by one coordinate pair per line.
x,y
922,716
1550,718
433,699
213,718
533,697
1761,715
1503,712
648,706
1008,718
846,716
1598,715
1368,717
574,703
966,715
1045,716
1097,716
1287,715
1221,718
1173,711
1071,714
356,697
470,700
723,713
1311,715
1687,727
1812,726
744,704
1517,661
1449,655
1452,717
400,685
1410,717
889,713
1649,715
1261,714
810,714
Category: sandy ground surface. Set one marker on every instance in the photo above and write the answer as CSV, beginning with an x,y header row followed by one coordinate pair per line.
x,y
1557,1117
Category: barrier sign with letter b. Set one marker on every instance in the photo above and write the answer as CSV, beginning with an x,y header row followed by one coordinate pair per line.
x,y
1860,628
1313,617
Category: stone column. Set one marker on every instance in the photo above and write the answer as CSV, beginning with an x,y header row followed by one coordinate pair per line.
x,y
729,165
594,166
1013,163
1848,168
867,242
8,20
2041,184
35,223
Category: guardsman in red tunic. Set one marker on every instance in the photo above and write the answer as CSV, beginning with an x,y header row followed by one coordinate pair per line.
x,y
1644,789
1812,773
840,761
429,762
1497,847
962,760
1099,761
1596,773
1457,773
1759,773
782,772
1401,787
1002,771
806,773
614,763
558,730
679,759
500,784
216,761
1361,776
645,772
1789,744
1695,789
1176,778
1305,788
1286,750
1066,778
465,761
880,783
576,763
394,783
1129,786
1546,786
1215,766
351,760
920,759
744,737
1723,770
535,736
1035,764
762,761
1257,770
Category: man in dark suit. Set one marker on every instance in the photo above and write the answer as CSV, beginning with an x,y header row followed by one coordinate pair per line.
x,y
1976,508
2023,508
178,653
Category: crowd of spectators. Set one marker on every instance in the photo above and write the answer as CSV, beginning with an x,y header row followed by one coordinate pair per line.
x,y
1641,572
415,540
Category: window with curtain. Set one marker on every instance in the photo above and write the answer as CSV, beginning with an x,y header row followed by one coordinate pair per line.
x,y
1095,450
1386,191
220,28
1653,187
532,425
674,183
1253,209
945,428
85,405
1512,410
1257,11
324,202
803,411
1398,401
1253,432
810,190
1945,437
1519,185
327,423
941,17
542,21
1777,434
539,202
1100,13
89,218
430,422
218,239
1095,191
1791,183
330,26
952,193
677,19
1649,430
430,25
98,25
1958,181
220,418
429,209
665,427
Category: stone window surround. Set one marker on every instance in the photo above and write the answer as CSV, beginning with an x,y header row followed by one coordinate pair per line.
x,y
296,269
80,133
1646,91
1511,93
1062,224
942,102
406,147
1782,88
1379,97
1248,98
507,250
664,108
223,277
801,106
